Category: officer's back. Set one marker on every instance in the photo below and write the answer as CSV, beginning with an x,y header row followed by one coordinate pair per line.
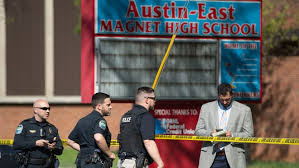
x,y
137,133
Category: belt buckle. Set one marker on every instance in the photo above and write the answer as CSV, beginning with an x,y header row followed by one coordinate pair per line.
x,y
221,153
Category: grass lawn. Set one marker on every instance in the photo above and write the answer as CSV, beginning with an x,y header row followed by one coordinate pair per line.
x,y
265,164
67,160
68,157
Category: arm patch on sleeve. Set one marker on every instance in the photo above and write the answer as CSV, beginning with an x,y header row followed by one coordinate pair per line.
x,y
102,124
19,129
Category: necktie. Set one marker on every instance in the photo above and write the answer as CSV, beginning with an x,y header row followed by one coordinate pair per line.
x,y
223,120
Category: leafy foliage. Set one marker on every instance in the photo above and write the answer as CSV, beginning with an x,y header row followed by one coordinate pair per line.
x,y
280,36
77,29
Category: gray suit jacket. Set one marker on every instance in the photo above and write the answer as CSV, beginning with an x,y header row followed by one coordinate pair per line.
x,y
239,124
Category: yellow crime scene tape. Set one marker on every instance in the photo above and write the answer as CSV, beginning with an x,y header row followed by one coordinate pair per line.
x,y
279,141
285,141
6,141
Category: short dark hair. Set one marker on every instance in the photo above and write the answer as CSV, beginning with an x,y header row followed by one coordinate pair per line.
x,y
98,98
223,88
145,89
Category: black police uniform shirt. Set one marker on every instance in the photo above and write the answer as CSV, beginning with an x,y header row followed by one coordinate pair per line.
x,y
84,131
145,123
29,131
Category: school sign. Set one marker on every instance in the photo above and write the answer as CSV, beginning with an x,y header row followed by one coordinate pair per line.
x,y
194,18
235,26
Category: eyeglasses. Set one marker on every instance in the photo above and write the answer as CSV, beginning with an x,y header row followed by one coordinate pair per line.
x,y
153,98
44,108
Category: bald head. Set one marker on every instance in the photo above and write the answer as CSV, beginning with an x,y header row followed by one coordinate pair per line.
x,y
41,110
40,102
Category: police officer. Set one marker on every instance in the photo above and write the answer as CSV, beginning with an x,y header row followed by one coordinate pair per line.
x,y
37,140
137,133
91,136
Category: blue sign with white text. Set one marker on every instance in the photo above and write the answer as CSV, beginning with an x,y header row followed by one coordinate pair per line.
x,y
240,67
188,18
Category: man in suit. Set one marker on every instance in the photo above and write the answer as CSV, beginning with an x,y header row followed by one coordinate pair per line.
x,y
232,117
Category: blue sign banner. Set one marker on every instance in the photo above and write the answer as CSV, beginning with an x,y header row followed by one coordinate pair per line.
x,y
240,67
164,17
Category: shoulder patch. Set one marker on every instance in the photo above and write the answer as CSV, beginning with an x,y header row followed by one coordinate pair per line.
x,y
19,129
102,124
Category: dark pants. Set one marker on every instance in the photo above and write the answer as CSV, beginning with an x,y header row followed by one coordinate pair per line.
x,y
37,166
46,165
220,162
81,162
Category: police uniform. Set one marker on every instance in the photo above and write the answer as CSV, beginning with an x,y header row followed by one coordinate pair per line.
x,y
27,133
83,134
135,126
